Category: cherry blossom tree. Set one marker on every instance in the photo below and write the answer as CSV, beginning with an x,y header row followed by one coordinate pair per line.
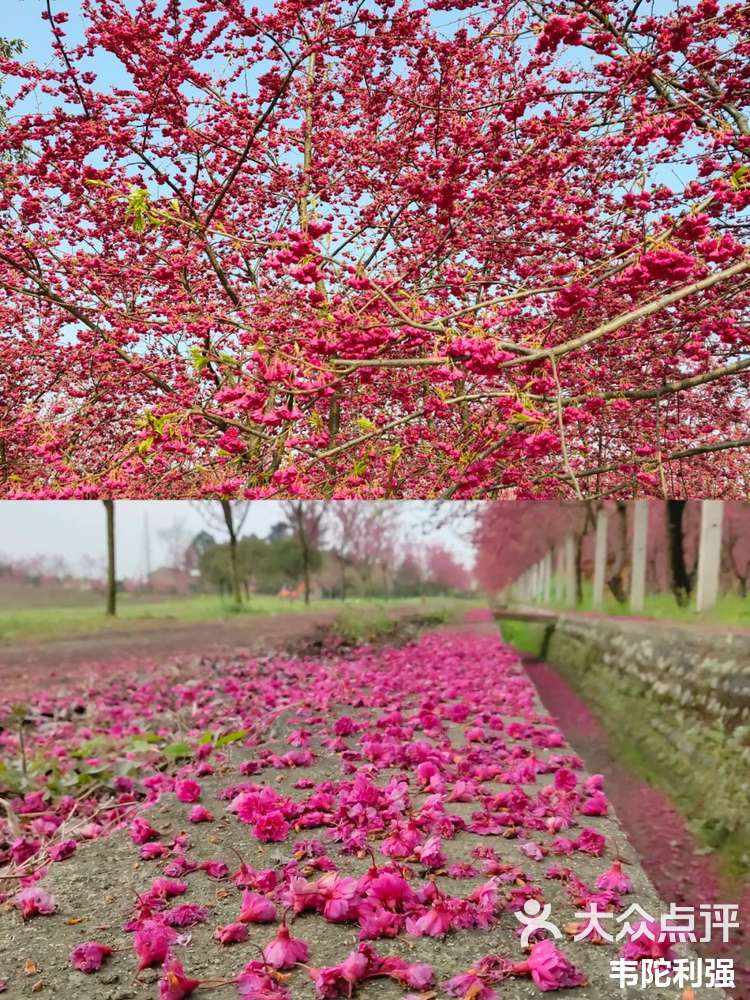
x,y
306,519
230,516
511,537
406,248
736,538
364,536
444,569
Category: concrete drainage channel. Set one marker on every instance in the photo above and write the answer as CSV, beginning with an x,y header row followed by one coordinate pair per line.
x,y
664,711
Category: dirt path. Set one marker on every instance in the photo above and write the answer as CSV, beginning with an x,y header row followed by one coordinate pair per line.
x,y
669,853
28,666
55,663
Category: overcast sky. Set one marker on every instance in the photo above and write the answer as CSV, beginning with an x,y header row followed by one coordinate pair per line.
x,y
74,529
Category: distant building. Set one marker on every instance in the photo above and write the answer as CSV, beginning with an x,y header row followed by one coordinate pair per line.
x,y
167,580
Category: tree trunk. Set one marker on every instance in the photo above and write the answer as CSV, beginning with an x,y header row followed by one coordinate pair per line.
x,y
579,569
343,579
109,508
616,581
304,545
682,584
226,507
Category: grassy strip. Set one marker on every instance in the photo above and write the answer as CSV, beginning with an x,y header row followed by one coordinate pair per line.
x,y
19,624
373,623
731,609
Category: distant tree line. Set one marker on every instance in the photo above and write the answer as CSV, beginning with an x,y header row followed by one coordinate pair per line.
x,y
264,565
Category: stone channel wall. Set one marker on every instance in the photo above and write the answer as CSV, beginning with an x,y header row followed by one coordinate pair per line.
x,y
679,698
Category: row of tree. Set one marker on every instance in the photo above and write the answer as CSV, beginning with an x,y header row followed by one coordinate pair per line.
x,y
352,547
339,548
512,537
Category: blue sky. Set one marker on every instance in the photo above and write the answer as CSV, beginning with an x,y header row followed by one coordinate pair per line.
x,y
24,21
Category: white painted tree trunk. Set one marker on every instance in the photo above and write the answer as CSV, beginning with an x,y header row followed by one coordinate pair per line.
x,y
600,558
570,570
560,573
640,552
709,554
547,578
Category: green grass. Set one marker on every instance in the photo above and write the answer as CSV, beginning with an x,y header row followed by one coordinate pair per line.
x,y
371,623
731,609
526,637
134,612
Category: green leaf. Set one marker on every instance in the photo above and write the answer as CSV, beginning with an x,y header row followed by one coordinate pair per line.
x,y
177,751
198,358
138,209
233,737
146,445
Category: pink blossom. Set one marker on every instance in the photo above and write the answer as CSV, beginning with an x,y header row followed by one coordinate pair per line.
x,y
257,983
596,805
186,915
376,922
89,956
174,984
187,790
469,986
392,890
431,854
142,831
152,941
339,980
591,842
435,922
180,865
62,851
284,951
271,827
163,889
154,849
22,849
402,843
416,975
644,942
550,968
199,814
256,909
565,779
231,933
532,850
340,896
33,901
615,879
215,869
